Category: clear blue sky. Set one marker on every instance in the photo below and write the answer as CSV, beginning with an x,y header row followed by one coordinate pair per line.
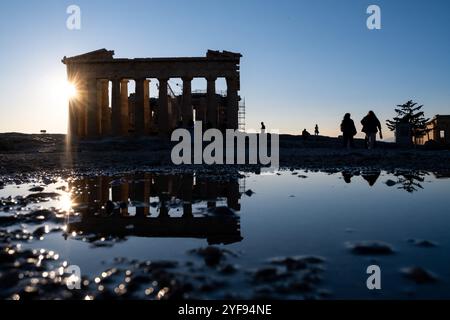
x,y
304,62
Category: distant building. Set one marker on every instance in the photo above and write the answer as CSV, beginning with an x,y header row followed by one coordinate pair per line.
x,y
439,132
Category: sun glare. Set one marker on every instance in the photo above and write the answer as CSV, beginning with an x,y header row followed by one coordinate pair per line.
x,y
70,90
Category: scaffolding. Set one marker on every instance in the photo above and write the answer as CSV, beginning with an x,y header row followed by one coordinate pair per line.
x,y
241,116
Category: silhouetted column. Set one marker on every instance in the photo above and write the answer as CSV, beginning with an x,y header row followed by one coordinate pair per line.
x,y
81,103
232,103
73,119
106,112
200,114
124,120
120,194
116,106
163,108
233,195
142,107
211,102
186,108
93,110
187,183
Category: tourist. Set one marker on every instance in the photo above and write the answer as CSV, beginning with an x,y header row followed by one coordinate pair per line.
x,y
371,125
348,130
305,134
316,130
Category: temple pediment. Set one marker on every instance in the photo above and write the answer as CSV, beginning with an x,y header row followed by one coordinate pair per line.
x,y
101,54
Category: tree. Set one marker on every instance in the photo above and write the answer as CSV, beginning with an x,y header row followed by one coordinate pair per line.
x,y
411,114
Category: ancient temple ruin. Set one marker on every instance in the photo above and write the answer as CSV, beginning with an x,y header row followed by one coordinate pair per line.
x,y
94,114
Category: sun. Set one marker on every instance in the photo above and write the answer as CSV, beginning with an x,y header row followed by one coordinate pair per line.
x,y
70,90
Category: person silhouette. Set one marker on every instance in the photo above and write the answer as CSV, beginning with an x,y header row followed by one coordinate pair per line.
x,y
371,177
316,130
263,126
347,175
348,130
371,125
305,134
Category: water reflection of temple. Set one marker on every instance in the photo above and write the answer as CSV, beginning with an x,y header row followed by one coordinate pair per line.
x,y
156,205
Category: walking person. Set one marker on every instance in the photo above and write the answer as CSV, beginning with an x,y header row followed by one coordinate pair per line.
x,y
348,130
316,130
371,126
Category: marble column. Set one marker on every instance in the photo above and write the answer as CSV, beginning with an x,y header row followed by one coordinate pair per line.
x,y
212,106
163,108
105,110
142,107
124,120
81,106
73,119
93,110
186,108
232,103
116,106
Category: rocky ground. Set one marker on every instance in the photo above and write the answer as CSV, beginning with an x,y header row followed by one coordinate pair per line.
x,y
20,153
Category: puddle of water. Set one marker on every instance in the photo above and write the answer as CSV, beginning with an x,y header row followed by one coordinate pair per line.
x,y
254,218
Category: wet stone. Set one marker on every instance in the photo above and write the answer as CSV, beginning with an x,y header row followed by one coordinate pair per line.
x,y
370,248
297,263
43,195
249,193
423,243
390,183
229,269
212,255
419,275
268,274
36,189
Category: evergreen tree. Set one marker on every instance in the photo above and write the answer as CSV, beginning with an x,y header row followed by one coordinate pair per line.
x,y
411,114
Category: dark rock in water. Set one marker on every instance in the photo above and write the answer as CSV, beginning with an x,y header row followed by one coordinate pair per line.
x,y
39,232
301,286
36,189
370,248
212,285
266,274
390,183
419,275
228,269
162,264
9,279
6,221
6,258
212,255
38,216
249,193
297,263
43,195
423,243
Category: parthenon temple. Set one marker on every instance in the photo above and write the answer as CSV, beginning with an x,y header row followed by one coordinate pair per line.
x,y
103,106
